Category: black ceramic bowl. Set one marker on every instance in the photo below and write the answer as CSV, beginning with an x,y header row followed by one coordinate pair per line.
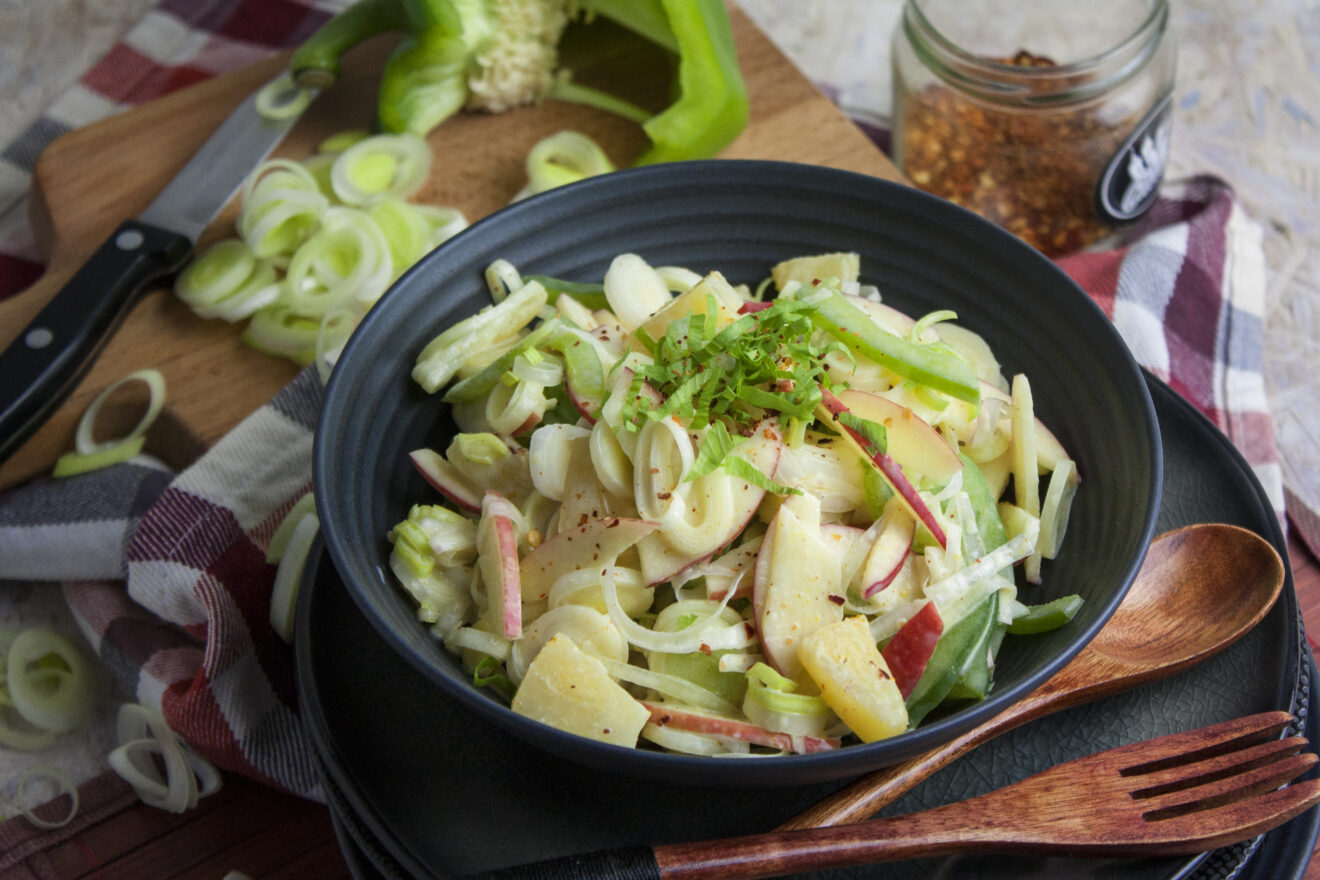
x,y
741,217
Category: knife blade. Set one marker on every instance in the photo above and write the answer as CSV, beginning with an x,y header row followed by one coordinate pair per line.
x,y
46,360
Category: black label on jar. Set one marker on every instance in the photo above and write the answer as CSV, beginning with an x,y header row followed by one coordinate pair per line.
x,y
1132,178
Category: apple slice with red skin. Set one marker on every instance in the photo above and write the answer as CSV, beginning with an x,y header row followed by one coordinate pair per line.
x,y
585,407
840,538
595,543
527,425
742,559
832,407
710,724
796,585
621,386
889,552
911,441
497,558
446,479
661,560
910,649
837,537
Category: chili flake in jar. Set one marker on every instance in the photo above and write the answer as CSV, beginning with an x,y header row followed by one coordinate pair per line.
x,y
1059,152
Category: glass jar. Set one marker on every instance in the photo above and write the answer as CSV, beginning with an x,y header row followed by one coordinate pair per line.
x,y
1050,119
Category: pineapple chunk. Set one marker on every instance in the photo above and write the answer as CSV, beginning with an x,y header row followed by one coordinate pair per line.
x,y
567,688
693,302
854,678
804,270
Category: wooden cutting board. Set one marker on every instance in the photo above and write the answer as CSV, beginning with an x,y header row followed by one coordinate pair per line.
x,y
90,179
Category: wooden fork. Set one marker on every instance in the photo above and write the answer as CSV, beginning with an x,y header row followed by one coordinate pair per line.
x,y
1179,794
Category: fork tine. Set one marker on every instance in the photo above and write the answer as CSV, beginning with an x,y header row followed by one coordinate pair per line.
x,y
1234,822
1234,788
1180,777
1178,749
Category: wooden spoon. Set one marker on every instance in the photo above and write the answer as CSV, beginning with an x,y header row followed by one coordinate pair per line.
x,y
1200,588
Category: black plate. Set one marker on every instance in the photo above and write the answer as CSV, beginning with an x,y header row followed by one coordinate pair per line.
x,y
741,218
439,791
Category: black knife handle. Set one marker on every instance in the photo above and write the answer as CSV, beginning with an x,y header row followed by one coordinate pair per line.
x,y
47,358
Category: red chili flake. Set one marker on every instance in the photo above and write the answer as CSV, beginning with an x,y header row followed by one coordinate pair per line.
x,y
705,649
884,676
663,720
1033,173
837,600
664,496
613,523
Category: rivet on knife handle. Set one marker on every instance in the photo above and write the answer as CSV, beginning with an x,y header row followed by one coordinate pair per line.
x,y
48,357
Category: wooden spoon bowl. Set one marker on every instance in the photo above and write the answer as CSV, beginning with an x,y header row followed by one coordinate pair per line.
x,y
1200,588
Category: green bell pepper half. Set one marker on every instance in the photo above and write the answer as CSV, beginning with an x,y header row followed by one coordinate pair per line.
x,y
425,79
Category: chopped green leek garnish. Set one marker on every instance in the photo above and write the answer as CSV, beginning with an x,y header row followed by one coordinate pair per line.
x,y
877,439
745,470
763,361
877,490
715,448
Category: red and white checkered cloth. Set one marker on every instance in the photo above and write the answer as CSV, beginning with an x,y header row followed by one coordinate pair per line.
x,y
190,634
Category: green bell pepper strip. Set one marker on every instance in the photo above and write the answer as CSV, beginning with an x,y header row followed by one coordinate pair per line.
x,y
937,368
585,374
957,651
984,506
479,384
976,681
1046,616
977,677
590,295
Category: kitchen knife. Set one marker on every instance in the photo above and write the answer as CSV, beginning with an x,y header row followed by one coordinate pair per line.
x,y
48,357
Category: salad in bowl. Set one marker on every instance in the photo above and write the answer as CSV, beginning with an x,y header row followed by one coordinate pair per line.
x,y
688,515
